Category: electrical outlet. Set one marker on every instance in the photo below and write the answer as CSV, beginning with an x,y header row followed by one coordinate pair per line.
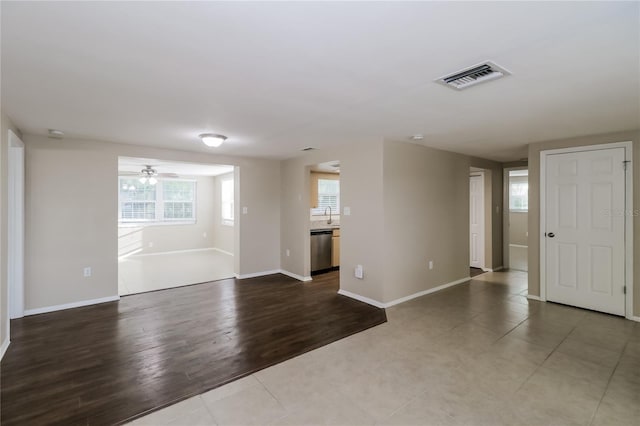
x,y
204,235
87,271
245,210
150,244
359,272
347,211
431,264
288,253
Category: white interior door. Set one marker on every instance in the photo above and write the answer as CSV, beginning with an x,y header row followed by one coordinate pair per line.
x,y
476,221
585,229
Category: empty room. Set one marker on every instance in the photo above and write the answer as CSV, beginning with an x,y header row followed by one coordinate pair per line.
x,y
320,213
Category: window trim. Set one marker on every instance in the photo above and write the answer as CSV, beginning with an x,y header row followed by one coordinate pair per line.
x,y
159,201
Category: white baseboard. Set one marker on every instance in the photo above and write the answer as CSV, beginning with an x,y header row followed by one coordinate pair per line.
x,y
4,347
634,318
534,297
499,268
70,305
175,252
425,292
361,298
257,274
274,271
222,251
402,299
296,276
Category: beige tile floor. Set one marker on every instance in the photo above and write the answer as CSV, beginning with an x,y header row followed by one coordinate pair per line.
x,y
137,274
474,354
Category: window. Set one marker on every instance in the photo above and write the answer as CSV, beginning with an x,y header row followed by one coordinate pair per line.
x,y
168,201
519,196
226,201
328,196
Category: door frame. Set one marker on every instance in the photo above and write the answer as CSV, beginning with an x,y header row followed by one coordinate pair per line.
x,y
628,223
16,224
505,213
483,226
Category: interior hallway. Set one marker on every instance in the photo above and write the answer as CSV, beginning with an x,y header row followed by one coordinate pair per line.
x,y
149,272
477,354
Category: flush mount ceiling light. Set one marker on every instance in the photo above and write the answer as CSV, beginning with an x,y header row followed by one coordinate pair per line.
x,y
148,174
212,140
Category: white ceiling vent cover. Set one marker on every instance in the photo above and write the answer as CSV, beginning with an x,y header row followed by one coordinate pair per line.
x,y
476,74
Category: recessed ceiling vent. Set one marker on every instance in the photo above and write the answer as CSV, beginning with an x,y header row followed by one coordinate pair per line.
x,y
309,148
473,75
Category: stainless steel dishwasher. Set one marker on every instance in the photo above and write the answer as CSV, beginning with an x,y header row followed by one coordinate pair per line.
x,y
321,249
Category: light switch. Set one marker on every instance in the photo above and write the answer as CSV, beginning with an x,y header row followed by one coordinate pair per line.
x,y
347,211
245,210
359,273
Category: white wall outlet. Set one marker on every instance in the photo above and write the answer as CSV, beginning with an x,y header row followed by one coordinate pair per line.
x,y
359,272
288,252
204,235
150,244
86,271
347,211
245,210
431,264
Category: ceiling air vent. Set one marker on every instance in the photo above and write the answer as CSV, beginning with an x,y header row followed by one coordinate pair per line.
x,y
471,76
309,148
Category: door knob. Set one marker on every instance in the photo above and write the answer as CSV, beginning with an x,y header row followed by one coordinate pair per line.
x,y
551,235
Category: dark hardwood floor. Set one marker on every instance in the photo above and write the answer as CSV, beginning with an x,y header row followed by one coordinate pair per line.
x,y
108,363
474,272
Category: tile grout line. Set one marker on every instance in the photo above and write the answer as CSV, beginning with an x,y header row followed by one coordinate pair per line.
x,y
593,416
264,386
546,358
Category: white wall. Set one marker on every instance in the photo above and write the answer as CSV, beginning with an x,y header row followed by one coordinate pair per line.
x,y
409,204
71,221
426,217
361,232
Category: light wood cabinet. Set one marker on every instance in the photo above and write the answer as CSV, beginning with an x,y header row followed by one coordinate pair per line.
x,y
335,248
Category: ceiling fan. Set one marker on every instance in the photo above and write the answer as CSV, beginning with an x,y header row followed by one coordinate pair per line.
x,y
149,175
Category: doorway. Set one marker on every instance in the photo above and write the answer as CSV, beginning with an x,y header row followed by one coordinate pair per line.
x,y
324,217
516,218
586,229
176,224
476,220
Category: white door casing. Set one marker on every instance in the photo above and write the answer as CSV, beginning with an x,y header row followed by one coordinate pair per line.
x,y
584,234
15,252
476,220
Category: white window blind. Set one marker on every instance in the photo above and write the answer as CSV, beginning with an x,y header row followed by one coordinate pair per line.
x,y
168,201
328,196
226,201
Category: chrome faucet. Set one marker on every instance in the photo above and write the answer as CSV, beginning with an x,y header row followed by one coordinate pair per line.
x,y
325,213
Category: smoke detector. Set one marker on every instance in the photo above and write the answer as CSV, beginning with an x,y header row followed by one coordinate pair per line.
x,y
56,134
475,74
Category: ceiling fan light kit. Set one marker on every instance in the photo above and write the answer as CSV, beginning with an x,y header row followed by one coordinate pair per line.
x,y
148,174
